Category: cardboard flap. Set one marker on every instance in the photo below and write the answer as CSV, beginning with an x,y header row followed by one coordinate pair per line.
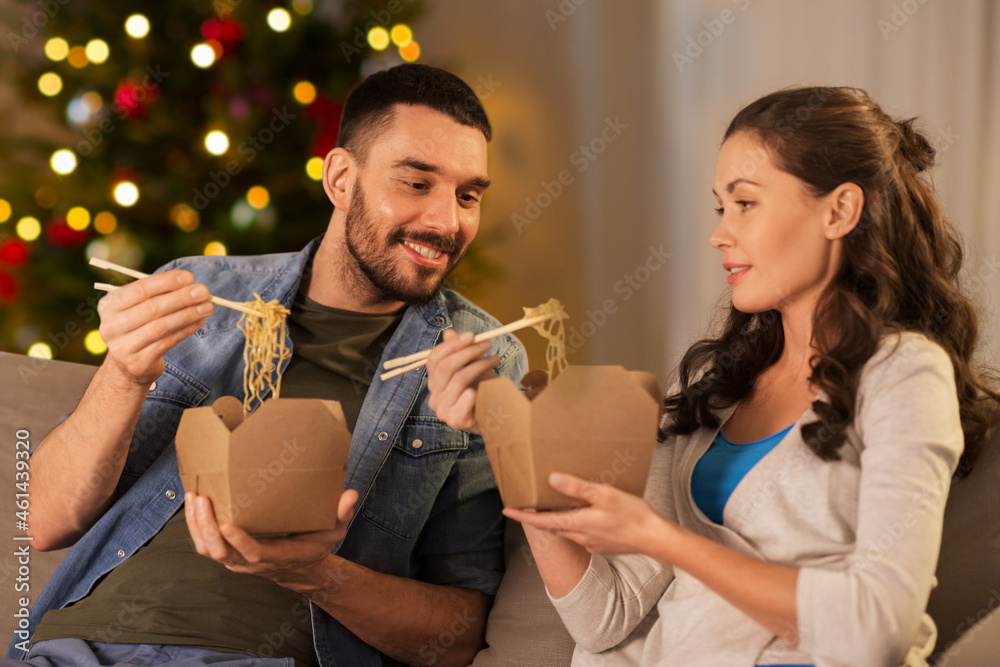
x,y
202,440
293,434
230,409
648,382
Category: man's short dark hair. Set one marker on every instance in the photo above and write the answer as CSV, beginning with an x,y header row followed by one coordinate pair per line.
x,y
369,107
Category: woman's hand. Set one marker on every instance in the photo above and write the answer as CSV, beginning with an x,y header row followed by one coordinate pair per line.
x,y
454,370
614,522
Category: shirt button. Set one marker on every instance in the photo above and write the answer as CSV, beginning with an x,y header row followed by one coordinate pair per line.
x,y
439,319
152,387
418,443
383,436
170,494
121,553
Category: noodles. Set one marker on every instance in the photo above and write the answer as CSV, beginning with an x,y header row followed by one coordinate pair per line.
x,y
265,349
552,330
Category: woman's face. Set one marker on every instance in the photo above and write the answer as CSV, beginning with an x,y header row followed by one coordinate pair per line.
x,y
770,231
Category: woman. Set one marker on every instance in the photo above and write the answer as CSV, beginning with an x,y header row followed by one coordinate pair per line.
x,y
842,372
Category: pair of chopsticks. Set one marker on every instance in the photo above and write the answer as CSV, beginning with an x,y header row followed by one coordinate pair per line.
x,y
419,359
104,264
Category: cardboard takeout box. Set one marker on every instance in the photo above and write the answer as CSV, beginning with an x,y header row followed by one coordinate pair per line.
x,y
595,422
279,471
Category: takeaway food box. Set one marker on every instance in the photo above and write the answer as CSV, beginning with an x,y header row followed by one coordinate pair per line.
x,y
596,422
281,470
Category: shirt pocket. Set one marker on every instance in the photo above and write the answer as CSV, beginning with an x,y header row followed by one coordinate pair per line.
x,y
416,467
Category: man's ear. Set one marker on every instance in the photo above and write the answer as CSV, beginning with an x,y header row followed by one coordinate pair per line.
x,y
338,168
847,201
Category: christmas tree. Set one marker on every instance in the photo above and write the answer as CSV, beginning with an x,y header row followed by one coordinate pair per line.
x,y
188,128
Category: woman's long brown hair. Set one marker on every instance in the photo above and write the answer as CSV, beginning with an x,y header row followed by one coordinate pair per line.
x,y
900,271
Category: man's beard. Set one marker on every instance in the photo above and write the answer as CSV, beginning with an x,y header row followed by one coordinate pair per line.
x,y
374,256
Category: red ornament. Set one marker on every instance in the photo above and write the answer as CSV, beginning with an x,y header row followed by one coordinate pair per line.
x,y
133,96
327,113
60,234
8,287
13,251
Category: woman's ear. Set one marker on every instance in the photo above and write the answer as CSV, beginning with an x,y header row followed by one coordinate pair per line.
x,y
847,201
338,167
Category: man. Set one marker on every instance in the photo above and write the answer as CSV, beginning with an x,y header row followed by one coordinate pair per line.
x,y
410,579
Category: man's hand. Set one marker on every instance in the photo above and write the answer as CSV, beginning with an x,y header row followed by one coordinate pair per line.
x,y
454,370
140,321
294,562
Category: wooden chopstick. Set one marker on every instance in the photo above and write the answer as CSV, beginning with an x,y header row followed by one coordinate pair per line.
x,y
104,264
419,359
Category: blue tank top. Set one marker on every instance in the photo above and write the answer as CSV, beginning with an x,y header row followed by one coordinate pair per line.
x,y
722,467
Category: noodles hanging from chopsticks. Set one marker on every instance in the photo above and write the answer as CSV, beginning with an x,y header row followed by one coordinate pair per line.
x,y
553,331
265,349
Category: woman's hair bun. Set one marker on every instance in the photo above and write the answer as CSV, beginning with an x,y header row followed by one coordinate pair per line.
x,y
914,147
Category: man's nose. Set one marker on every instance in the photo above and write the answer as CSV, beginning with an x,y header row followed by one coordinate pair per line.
x,y
443,215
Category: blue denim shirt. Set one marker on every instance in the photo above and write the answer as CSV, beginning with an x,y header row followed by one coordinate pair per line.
x,y
430,513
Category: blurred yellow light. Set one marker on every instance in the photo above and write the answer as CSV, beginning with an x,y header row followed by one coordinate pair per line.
x,y
50,84
258,197
97,51
4,210
40,350
314,168
304,92
56,49
203,55
78,57
185,217
105,222
279,19
63,161
302,7
401,34
378,38
126,193
215,248
78,218
46,196
410,52
216,142
94,343
28,228
137,26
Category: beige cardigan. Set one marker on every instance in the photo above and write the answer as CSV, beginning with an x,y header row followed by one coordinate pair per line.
x,y
864,531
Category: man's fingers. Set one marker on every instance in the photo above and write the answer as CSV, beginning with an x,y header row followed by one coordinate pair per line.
x,y
119,321
345,506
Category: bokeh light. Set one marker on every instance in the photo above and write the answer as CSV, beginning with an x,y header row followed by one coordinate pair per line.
x,y
50,84
216,142
203,55
40,350
28,228
97,51
57,49
5,210
410,52
63,161
94,343
78,57
215,248
401,34
137,26
304,92
378,38
185,217
314,168
126,193
105,222
302,7
46,196
258,197
78,218
279,19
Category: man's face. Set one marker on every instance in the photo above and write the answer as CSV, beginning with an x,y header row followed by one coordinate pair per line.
x,y
415,203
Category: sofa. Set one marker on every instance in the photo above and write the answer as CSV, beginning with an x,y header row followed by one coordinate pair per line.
x,y
523,628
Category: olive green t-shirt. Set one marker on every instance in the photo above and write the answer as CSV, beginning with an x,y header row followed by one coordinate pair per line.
x,y
168,594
